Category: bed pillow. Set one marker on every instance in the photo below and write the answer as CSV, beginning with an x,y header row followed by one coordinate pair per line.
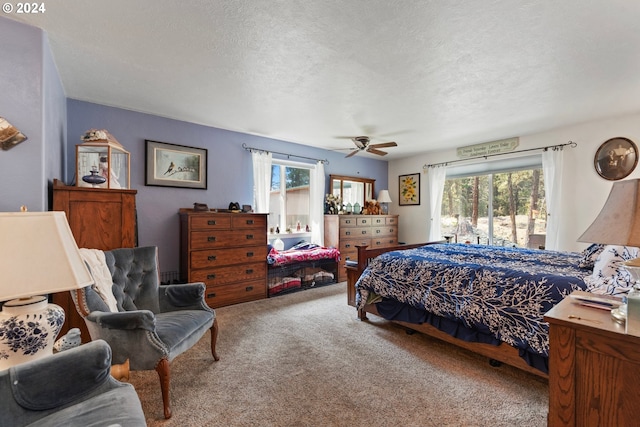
x,y
608,276
590,255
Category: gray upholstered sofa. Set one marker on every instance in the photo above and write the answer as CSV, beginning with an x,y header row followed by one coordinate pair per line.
x,y
70,388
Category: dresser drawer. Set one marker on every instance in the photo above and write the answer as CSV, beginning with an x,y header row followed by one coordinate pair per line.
x,y
230,274
351,255
377,221
249,221
384,231
364,221
213,239
355,233
219,296
222,257
210,222
382,242
348,221
349,246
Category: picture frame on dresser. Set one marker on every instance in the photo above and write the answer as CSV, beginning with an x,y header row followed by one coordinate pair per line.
x,y
173,165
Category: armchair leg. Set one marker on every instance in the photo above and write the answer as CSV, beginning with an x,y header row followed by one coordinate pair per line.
x,y
214,339
162,368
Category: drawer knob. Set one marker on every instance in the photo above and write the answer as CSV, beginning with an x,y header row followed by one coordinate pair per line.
x,y
377,231
249,236
249,288
249,222
249,254
211,295
364,231
211,222
211,239
348,245
249,270
211,276
348,233
211,258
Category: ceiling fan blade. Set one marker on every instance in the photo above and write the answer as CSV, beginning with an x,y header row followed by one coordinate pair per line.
x,y
352,153
375,151
384,144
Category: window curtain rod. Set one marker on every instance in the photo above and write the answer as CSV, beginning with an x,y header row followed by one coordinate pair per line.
x,y
260,150
571,144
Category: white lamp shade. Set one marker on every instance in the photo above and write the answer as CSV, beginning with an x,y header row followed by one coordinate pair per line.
x,y
618,223
383,196
39,255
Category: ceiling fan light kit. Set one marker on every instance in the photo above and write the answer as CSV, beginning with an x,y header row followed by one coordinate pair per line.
x,y
362,143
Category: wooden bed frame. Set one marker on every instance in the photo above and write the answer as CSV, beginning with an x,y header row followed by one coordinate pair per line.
x,y
504,353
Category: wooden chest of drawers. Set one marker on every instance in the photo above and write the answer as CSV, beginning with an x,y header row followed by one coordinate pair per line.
x,y
226,251
345,232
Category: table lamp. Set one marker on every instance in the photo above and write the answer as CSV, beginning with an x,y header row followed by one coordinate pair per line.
x,y
384,199
618,223
39,257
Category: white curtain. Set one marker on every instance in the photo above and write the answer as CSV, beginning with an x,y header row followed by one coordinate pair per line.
x,y
552,171
261,180
436,177
316,204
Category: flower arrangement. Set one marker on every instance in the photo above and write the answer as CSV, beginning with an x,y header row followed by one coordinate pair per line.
x,y
332,204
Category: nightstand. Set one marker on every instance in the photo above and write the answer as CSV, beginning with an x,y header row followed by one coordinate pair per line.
x,y
594,368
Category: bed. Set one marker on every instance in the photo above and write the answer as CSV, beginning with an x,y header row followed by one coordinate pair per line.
x,y
304,266
488,299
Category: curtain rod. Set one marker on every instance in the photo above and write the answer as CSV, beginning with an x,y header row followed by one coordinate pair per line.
x,y
553,147
261,150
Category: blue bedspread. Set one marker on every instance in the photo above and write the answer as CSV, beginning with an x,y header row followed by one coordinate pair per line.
x,y
498,291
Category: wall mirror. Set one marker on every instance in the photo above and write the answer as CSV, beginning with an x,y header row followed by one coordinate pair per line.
x,y
352,189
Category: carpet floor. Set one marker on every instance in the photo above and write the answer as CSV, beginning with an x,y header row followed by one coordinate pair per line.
x,y
304,359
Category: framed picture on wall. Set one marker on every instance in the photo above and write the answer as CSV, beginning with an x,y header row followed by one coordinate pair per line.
x,y
172,165
616,158
409,189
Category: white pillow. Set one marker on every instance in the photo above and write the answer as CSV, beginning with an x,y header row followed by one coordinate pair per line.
x,y
608,276
97,263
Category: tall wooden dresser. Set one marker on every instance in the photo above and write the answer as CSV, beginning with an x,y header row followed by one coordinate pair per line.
x,y
227,251
345,232
99,218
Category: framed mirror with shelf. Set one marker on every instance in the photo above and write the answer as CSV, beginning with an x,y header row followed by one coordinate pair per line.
x,y
352,190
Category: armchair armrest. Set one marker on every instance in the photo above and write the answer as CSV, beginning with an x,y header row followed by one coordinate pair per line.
x,y
188,296
135,319
45,384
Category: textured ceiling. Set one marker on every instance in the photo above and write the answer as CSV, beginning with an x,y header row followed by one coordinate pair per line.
x,y
426,74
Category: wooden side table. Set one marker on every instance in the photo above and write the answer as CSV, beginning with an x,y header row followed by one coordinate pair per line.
x,y
594,368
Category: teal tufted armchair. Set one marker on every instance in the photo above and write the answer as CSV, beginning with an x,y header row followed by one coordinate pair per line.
x,y
154,323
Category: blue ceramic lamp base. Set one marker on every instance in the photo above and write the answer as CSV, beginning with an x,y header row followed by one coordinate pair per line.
x,y
28,329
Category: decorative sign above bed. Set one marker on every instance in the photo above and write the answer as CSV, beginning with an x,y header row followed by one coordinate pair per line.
x,y
488,148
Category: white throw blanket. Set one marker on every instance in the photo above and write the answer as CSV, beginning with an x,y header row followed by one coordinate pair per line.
x,y
97,263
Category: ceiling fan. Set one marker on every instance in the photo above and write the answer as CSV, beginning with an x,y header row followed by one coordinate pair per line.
x,y
363,144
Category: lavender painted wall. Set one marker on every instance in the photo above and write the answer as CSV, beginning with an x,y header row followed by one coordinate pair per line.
x,y
230,176
55,123
22,169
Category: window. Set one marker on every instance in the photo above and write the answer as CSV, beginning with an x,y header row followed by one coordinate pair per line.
x,y
290,194
502,208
